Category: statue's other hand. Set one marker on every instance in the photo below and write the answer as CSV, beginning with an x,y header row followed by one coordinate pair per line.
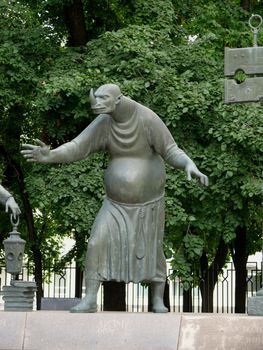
x,y
36,153
12,206
192,170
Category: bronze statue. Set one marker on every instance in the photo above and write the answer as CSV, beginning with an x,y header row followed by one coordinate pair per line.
x,y
126,242
8,200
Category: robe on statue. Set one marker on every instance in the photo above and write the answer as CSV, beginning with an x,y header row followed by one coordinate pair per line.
x,y
126,242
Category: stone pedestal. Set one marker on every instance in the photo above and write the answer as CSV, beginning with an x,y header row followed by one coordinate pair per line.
x,y
255,304
57,330
19,296
59,303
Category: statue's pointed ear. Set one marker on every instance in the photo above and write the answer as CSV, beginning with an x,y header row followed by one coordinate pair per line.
x,y
118,100
92,98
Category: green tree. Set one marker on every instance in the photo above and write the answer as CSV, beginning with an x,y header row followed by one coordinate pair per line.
x,y
235,164
21,65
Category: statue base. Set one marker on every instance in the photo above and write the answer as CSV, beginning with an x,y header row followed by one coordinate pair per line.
x,y
58,330
255,304
19,296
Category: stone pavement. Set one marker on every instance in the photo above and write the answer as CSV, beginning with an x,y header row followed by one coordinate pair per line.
x,y
57,330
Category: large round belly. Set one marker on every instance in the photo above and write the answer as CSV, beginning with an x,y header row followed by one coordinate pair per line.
x,y
135,180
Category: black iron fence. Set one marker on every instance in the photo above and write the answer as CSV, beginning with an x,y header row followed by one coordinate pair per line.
x,y
62,285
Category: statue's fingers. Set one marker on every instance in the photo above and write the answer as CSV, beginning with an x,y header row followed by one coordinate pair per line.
x,y
29,156
26,152
40,143
189,176
204,180
18,211
28,146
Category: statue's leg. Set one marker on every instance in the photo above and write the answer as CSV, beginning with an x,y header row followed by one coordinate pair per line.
x,y
89,302
157,289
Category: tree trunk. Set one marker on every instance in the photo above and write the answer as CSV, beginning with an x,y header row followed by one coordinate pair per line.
x,y
79,275
210,275
78,282
114,296
187,300
166,296
207,290
75,22
33,241
245,4
239,256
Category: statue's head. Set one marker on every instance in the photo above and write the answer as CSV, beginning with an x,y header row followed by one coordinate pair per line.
x,y
105,99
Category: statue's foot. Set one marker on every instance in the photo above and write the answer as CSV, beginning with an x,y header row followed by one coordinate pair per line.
x,y
84,306
159,307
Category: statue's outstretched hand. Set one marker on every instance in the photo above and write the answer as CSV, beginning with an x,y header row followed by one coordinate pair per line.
x,y
36,154
192,170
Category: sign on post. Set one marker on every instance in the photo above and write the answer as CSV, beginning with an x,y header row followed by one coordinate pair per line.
x,y
244,70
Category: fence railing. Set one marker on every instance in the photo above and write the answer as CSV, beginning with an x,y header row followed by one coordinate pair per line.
x,y
62,285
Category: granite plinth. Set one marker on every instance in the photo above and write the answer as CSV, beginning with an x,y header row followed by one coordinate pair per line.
x,y
57,330
59,304
255,304
221,332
